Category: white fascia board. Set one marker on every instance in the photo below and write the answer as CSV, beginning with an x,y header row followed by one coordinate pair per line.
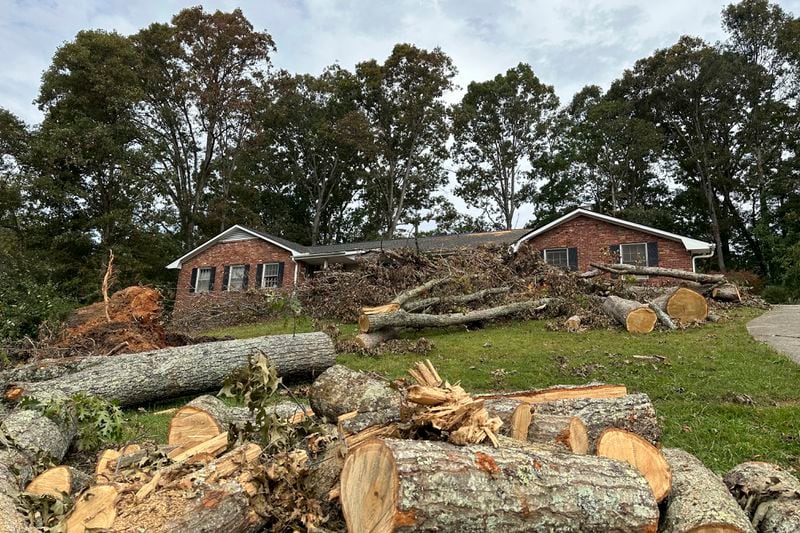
x,y
178,262
691,245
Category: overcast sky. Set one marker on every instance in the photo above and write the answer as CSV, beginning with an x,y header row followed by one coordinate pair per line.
x,y
569,43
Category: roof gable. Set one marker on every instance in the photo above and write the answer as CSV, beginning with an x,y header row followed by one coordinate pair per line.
x,y
691,245
239,233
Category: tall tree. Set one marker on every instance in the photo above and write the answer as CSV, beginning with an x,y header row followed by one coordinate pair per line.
x,y
319,143
499,126
403,102
197,74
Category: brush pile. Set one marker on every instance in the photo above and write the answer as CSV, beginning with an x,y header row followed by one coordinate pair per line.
x,y
418,455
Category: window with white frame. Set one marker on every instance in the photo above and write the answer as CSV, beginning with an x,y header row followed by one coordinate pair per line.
x,y
557,257
633,254
203,283
236,278
269,276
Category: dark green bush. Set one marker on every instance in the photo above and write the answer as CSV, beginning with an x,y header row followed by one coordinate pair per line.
x,y
780,294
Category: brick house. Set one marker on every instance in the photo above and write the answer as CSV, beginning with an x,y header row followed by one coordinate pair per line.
x,y
240,258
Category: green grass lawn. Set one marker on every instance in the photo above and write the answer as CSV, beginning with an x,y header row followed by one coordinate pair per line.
x,y
697,390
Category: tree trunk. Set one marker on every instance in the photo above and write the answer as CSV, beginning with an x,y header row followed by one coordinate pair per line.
x,y
399,301
454,300
405,485
778,516
400,318
515,415
699,500
207,416
636,317
339,390
629,447
755,483
368,341
684,305
727,292
562,392
658,271
566,431
663,317
47,369
634,413
152,376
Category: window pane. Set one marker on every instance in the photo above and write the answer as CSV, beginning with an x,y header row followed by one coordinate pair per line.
x,y
557,257
270,279
236,277
203,280
634,254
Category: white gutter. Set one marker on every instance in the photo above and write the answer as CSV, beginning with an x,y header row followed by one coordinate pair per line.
x,y
295,271
704,256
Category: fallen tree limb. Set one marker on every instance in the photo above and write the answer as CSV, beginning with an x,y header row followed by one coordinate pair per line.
x,y
368,341
397,302
635,270
340,390
726,292
636,317
406,485
458,299
134,379
662,315
401,318
699,500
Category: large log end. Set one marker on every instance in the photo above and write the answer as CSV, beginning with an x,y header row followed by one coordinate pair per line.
x,y
641,320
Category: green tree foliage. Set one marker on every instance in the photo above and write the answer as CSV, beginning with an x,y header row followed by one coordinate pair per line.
x,y
403,102
499,127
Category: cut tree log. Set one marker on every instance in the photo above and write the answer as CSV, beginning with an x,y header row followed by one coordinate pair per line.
x,y
39,436
133,379
339,390
562,392
662,315
726,292
405,485
95,509
573,323
684,305
755,485
629,447
15,471
207,416
401,318
368,341
699,501
58,481
635,316
515,415
567,431
634,413
778,516
658,271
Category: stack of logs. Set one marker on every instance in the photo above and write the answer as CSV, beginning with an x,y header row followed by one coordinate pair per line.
x,y
425,455
676,307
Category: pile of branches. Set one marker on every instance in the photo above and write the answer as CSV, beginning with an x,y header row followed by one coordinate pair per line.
x,y
218,310
419,454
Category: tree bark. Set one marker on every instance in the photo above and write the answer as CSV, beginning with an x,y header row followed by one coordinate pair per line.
x,y
727,292
699,499
684,305
634,413
658,271
401,318
568,432
636,317
778,516
339,390
405,485
515,415
755,484
454,300
663,317
151,376
368,341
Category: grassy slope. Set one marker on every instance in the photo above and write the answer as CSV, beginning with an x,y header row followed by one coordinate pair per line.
x,y
693,390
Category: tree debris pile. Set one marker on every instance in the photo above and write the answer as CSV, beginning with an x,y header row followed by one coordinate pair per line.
x,y
407,455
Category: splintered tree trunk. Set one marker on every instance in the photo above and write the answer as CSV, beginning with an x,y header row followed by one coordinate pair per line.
x,y
634,413
400,318
646,458
684,305
339,390
59,480
727,292
699,501
768,494
405,485
208,416
636,317
150,376
562,392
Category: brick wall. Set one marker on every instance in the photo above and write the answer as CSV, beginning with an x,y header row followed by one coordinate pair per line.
x,y
247,252
593,238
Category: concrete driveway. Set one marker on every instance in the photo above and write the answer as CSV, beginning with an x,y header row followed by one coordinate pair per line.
x,y
780,328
